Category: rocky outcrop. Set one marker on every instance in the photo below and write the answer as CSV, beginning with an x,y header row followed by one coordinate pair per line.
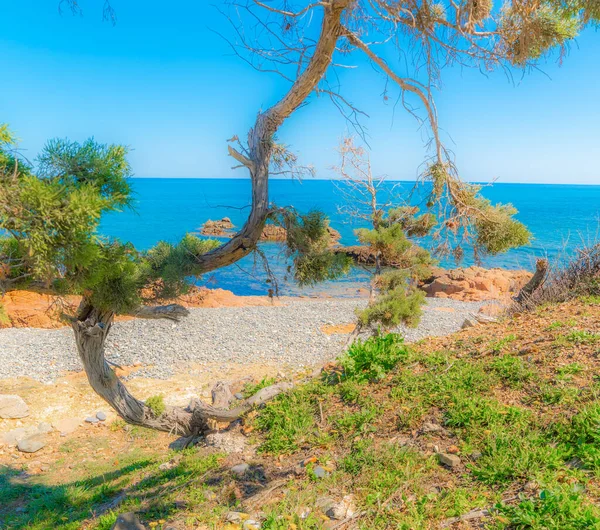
x,y
475,283
278,234
220,228
34,309
273,233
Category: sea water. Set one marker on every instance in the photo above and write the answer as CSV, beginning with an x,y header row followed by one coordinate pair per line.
x,y
560,217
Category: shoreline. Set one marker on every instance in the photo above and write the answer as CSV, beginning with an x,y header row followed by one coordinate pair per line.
x,y
293,336
41,310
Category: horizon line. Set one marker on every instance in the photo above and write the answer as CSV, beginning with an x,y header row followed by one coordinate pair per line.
x,y
483,183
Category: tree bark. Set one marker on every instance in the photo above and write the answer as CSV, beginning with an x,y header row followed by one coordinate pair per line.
x,y
260,142
91,327
536,281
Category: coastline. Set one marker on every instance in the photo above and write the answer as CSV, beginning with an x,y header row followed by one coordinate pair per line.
x,y
42,310
292,336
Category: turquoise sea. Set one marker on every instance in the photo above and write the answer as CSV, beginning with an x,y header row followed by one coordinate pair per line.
x,y
561,217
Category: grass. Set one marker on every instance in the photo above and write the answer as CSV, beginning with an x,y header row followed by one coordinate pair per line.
x,y
518,404
156,404
252,388
4,318
579,337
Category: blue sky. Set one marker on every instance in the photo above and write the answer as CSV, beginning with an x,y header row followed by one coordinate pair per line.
x,y
163,83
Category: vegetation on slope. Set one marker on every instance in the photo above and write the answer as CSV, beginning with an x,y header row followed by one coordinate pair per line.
x,y
517,402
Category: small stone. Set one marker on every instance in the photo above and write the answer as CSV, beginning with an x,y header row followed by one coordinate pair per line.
x,y
66,426
101,416
44,467
431,427
20,509
44,427
303,512
91,419
240,469
32,444
13,437
337,510
238,395
236,517
476,455
227,441
453,450
128,521
320,472
251,524
449,460
12,407
469,323
167,465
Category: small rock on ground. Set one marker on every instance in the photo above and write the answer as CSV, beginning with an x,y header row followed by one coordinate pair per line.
x,y
101,416
449,460
320,472
66,425
32,444
12,407
128,521
240,469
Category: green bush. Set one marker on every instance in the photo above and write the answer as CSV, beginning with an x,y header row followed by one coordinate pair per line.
x,y
372,359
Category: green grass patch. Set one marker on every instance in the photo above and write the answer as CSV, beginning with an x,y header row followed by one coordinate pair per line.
x,y
514,371
579,337
252,388
156,404
372,359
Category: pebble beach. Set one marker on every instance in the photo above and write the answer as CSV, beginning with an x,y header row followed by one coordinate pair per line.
x,y
290,336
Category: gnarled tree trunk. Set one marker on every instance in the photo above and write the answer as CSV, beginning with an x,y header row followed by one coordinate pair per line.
x,y
91,326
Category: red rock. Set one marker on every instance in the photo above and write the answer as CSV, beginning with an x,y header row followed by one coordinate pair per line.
x,y
475,283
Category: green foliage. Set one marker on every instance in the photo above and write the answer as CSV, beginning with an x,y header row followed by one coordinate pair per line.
x,y
156,404
497,230
250,388
527,34
401,305
288,421
580,337
399,300
372,359
168,266
512,370
103,167
309,246
6,136
491,228
52,226
560,508
4,319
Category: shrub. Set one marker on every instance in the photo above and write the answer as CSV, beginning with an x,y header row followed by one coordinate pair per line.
x,y
373,358
156,404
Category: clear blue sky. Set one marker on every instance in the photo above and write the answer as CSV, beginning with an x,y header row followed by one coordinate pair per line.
x,y
161,82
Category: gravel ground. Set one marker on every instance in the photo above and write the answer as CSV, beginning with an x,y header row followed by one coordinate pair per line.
x,y
288,335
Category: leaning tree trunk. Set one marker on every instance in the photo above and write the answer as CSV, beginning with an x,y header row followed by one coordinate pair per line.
x,y
92,326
